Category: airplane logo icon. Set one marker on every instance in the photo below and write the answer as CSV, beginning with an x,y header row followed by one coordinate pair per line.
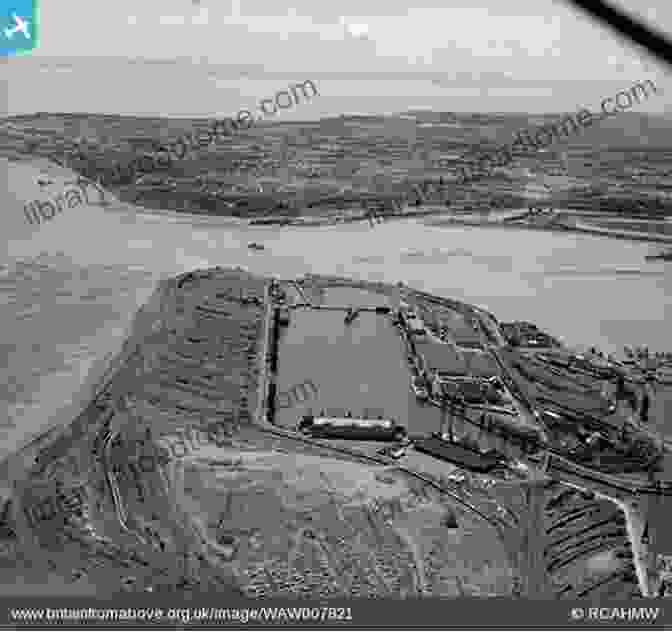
x,y
21,27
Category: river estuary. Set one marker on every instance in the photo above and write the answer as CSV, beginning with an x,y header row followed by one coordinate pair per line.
x,y
64,304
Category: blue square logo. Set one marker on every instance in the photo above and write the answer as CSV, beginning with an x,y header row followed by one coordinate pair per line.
x,y
19,22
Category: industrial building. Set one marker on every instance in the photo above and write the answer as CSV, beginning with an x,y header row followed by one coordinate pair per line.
x,y
461,455
445,361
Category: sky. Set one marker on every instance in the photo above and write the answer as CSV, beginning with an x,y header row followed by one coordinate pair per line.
x,y
367,55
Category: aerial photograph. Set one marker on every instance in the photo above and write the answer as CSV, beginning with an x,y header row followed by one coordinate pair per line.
x,y
205,204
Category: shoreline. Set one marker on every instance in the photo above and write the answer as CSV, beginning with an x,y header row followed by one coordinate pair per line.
x,y
594,231
440,215
444,217
159,308
101,372
105,368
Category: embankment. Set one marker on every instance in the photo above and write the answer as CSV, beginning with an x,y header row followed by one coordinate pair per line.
x,y
61,424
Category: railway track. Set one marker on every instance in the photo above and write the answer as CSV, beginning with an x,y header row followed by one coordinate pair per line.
x,y
555,463
287,434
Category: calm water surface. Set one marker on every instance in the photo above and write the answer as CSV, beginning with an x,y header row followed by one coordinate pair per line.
x,y
61,311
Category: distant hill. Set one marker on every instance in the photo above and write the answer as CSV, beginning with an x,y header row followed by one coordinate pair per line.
x,y
626,130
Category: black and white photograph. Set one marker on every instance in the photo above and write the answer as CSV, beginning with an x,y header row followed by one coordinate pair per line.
x,y
214,214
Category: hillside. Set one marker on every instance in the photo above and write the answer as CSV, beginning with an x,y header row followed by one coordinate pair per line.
x,y
342,165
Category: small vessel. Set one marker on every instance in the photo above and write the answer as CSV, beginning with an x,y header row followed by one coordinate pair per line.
x,y
351,315
255,246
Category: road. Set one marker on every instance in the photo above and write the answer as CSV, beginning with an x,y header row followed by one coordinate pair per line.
x,y
635,526
558,466
113,486
561,465
262,423
620,492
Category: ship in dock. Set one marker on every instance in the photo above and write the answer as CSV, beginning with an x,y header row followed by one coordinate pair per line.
x,y
352,428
